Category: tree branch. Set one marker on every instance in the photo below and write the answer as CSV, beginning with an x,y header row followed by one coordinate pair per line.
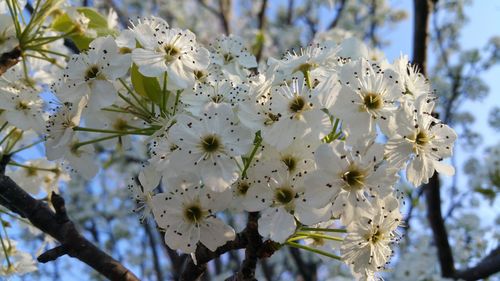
x,y
435,218
247,271
489,265
262,25
58,225
421,33
432,189
307,270
192,271
9,59
338,14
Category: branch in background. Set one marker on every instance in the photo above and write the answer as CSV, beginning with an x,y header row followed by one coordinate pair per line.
x,y
152,245
307,270
289,13
406,224
432,189
224,13
176,260
435,218
488,266
9,59
422,10
491,263
373,24
338,14
268,271
261,26
58,225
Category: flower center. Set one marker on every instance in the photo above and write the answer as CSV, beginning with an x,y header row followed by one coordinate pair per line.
x,y
200,75
210,143
271,118
305,67
372,101
22,105
92,72
193,213
297,104
228,58
217,99
284,195
377,236
422,138
242,187
354,178
171,53
290,162
120,124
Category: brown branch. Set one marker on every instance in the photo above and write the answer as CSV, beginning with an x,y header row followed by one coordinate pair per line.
x,y
289,13
488,266
9,59
58,225
432,189
373,24
338,14
249,238
261,26
154,252
192,271
421,33
176,260
307,270
491,263
225,15
267,270
247,271
435,218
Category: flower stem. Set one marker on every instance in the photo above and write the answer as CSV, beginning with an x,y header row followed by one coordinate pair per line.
x,y
339,230
321,236
5,251
316,251
257,142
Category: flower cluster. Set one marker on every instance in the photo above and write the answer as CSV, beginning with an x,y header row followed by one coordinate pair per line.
x,y
314,141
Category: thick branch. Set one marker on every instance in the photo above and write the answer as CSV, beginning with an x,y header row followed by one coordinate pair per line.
x,y
9,59
192,271
58,225
421,33
489,265
432,189
247,271
435,218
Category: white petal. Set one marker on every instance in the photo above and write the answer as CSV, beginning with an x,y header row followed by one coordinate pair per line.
x,y
215,233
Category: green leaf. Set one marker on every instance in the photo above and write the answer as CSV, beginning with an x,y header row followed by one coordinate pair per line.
x,y
488,193
63,23
97,22
148,87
